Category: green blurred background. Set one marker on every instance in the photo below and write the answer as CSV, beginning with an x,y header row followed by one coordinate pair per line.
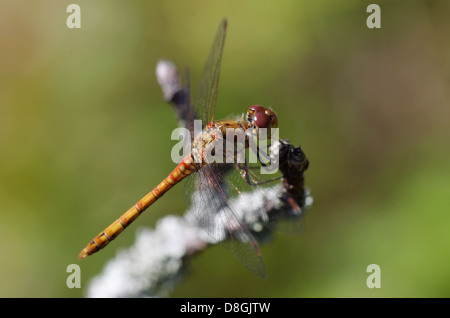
x,y
85,133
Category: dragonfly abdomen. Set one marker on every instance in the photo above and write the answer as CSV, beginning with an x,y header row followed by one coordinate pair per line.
x,y
183,169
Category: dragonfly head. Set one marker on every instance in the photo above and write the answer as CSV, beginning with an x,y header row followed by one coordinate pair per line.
x,y
261,117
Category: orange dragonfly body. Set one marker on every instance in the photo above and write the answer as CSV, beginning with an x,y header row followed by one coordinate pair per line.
x,y
216,131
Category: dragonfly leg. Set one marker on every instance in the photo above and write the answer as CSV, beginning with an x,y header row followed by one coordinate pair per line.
x,y
263,158
246,175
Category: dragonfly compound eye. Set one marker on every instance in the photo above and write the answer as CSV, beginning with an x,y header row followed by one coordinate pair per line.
x,y
262,117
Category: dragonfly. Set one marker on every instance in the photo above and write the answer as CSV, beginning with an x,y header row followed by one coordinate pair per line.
x,y
207,176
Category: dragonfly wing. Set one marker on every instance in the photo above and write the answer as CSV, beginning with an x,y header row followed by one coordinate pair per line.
x,y
210,203
206,94
217,217
289,222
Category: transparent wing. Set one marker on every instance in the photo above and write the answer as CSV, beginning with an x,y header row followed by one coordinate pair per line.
x,y
288,222
216,216
206,94
210,202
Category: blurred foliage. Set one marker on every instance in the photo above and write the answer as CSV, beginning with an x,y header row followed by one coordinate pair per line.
x,y
84,133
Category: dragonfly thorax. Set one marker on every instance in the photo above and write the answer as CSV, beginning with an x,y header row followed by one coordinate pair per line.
x,y
220,142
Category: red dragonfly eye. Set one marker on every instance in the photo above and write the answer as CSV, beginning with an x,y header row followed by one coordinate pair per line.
x,y
262,117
